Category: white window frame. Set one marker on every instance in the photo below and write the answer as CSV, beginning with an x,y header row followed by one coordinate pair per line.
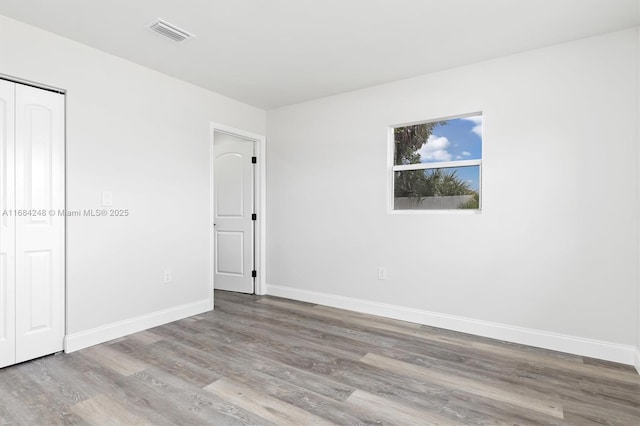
x,y
427,166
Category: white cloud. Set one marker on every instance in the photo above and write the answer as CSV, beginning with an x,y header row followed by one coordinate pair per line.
x,y
466,153
477,120
435,149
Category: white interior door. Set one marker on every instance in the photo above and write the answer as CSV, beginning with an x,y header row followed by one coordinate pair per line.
x,y
233,210
7,226
39,186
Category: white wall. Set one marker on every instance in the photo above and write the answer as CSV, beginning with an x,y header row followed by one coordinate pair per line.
x,y
144,136
638,100
542,264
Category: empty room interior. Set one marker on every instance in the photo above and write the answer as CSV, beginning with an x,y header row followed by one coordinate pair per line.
x,y
320,212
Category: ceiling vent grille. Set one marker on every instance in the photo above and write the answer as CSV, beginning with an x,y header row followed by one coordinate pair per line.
x,y
169,31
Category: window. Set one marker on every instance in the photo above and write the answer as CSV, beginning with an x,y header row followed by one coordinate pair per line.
x,y
437,164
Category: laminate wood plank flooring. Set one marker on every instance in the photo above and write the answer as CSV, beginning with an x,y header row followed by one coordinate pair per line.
x,y
265,360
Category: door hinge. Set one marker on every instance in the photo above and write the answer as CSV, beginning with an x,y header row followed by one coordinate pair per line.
x,y
254,273
254,160
254,216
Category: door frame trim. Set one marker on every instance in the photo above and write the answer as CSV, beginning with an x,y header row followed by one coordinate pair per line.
x,y
260,203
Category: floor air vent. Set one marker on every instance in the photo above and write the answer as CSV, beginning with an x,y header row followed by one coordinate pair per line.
x,y
169,31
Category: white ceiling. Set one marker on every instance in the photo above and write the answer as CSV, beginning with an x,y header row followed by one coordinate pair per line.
x,y
270,53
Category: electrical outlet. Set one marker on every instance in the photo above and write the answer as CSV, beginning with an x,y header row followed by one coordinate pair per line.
x,y
382,273
167,276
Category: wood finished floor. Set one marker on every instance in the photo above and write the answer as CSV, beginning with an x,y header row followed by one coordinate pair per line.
x,y
265,360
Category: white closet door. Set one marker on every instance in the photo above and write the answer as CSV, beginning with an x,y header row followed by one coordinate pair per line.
x,y
7,226
40,274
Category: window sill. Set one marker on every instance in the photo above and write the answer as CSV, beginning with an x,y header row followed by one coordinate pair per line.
x,y
441,211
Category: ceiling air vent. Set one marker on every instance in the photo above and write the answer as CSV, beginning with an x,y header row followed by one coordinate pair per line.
x,y
170,31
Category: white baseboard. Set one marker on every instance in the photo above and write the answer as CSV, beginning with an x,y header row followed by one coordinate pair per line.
x,y
84,339
542,339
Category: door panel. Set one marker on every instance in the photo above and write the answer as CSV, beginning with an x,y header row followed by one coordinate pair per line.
x,y
229,253
38,162
233,207
230,195
39,237
38,285
7,225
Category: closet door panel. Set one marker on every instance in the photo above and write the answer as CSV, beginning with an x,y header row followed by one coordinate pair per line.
x,y
7,225
40,274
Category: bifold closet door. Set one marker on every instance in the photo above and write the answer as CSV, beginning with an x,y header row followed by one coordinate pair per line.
x,y
7,225
40,236
32,275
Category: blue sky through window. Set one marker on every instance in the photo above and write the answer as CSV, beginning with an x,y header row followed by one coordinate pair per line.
x,y
458,139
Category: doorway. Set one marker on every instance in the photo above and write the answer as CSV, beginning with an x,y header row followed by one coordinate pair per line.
x,y
237,213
